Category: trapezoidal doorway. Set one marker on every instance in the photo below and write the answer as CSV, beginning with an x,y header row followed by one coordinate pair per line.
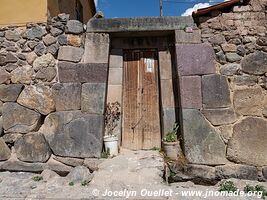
x,y
141,113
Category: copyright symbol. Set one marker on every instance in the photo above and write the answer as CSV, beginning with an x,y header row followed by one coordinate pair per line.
x,y
95,192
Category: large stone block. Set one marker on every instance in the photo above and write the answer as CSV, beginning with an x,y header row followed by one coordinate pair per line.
x,y
67,96
32,148
202,144
255,63
37,97
114,93
116,58
74,134
72,54
19,119
115,76
184,37
249,101
169,119
165,64
96,48
215,91
220,116
4,150
10,92
190,92
167,93
195,59
248,144
82,73
93,98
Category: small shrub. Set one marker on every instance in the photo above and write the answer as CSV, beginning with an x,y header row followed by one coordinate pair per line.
x,y
84,183
105,154
172,135
71,184
258,189
228,186
37,178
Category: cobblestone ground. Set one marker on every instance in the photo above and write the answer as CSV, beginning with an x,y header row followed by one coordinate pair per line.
x,y
137,175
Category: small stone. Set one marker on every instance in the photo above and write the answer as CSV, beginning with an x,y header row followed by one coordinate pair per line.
x,y
217,39
32,147
63,17
92,163
21,56
2,60
40,49
53,49
72,54
4,76
48,174
10,67
10,93
11,138
230,69
226,132
241,50
5,152
79,174
46,74
74,26
248,80
220,57
10,58
233,57
248,101
74,40
229,47
44,61
22,75
37,97
73,162
196,172
55,31
255,63
12,35
30,57
49,39
32,44
62,40
262,41
35,32
19,119
57,167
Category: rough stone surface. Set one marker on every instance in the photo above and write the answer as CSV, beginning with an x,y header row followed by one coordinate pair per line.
x,y
49,39
10,92
220,116
202,144
1,126
195,59
73,134
215,91
96,48
183,37
73,162
4,76
255,63
72,54
40,49
169,118
32,148
264,172
74,40
74,26
11,138
248,144
217,39
248,101
82,73
93,98
11,58
79,174
248,80
30,57
67,96
4,151
46,74
37,97
229,47
35,33
22,75
236,171
233,57
12,35
226,132
92,163
44,61
14,119
230,69
190,92
201,172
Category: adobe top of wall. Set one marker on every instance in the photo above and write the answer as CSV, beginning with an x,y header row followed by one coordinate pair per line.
x,y
139,24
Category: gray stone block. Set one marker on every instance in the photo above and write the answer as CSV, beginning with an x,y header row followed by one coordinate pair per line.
x,y
255,63
190,38
116,58
4,150
96,48
190,92
67,96
93,98
10,92
74,134
74,26
195,59
169,119
115,76
215,91
82,73
68,53
202,144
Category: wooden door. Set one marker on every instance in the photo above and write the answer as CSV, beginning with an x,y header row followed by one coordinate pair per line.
x,y
141,118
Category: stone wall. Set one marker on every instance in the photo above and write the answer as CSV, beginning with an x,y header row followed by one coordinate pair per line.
x,y
225,124
51,95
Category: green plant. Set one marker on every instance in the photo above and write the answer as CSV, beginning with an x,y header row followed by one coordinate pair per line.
x,y
228,186
85,183
37,178
171,136
105,154
71,184
258,188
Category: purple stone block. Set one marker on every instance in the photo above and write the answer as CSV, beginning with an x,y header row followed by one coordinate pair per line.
x,y
82,73
195,59
190,90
